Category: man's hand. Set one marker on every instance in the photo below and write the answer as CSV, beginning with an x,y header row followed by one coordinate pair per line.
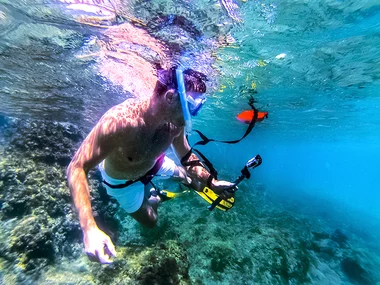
x,y
98,246
223,188
182,174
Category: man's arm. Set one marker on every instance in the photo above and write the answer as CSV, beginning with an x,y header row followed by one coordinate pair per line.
x,y
93,150
198,172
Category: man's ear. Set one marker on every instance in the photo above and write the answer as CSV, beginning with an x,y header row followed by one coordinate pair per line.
x,y
170,96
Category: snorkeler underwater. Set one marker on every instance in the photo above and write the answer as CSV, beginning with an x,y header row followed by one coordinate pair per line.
x,y
189,142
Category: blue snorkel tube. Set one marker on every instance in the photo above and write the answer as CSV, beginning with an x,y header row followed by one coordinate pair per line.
x,y
182,96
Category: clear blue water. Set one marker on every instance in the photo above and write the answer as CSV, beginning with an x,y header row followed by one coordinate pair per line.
x,y
321,142
323,98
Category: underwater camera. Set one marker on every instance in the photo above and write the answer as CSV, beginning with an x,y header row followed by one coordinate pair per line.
x,y
254,162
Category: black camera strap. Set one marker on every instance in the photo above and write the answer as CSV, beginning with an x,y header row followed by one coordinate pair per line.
x,y
205,140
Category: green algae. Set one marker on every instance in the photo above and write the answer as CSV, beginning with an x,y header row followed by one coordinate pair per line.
x,y
165,263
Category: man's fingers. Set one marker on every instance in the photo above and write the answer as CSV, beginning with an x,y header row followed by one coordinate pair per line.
x,y
104,255
99,246
109,248
228,193
104,258
92,257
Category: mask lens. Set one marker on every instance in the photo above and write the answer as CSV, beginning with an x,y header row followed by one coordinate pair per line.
x,y
196,104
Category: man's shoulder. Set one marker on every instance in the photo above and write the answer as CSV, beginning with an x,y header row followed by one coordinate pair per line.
x,y
125,114
126,108
134,102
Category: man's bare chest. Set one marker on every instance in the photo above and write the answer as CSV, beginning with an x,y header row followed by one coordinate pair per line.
x,y
145,146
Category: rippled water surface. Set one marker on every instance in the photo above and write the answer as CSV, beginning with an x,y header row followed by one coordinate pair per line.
x,y
326,81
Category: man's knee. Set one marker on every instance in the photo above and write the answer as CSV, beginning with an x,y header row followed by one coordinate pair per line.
x,y
152,218
150,224
146,216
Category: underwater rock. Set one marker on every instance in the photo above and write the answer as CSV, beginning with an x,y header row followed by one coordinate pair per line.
x,y
167,264
165,272
329,245
339,237
33,241
326,248
38,225
26,189
47,225
290,269
44,141
14,208
163,263
320,235
221,257
355,272
281,258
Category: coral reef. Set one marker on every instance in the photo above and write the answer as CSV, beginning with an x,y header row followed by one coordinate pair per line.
x,y
39,224
44,141
164,263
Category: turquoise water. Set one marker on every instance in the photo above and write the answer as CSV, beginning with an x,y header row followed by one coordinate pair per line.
x,y
322,135
315,66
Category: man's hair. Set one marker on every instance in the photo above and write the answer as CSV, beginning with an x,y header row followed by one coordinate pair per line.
x,y
194,81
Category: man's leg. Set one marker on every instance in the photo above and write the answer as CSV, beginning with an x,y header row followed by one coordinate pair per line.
x,y
134,199
147,214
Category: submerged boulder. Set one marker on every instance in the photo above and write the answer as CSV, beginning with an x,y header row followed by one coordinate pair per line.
x,y
163,263
339,237
38,224
33,239
44,141
355,272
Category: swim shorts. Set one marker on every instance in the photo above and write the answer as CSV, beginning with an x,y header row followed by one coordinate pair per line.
x,y
131,197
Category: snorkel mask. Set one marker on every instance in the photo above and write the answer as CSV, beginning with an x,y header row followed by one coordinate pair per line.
x,y
195,102
191,104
